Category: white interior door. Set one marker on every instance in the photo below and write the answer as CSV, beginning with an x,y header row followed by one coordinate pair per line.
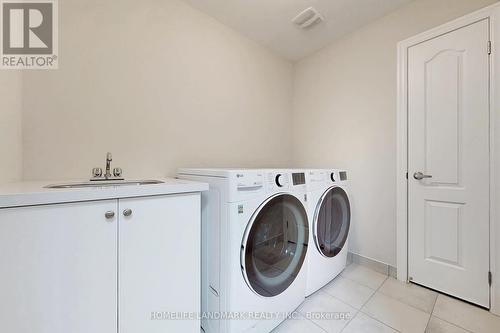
x,y
448,163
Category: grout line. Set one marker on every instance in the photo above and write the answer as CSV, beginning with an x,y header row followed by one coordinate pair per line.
x,y
434,306
364,285
363,305
377,320
432,311
342,301
361,284
361,310
350,320
371,261
454,324
370,316
411,306
414,307
445,320
321,290
324,329
376,291
313,322
349,305
356,311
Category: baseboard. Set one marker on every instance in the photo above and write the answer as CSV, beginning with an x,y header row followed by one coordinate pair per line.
x,y
372,264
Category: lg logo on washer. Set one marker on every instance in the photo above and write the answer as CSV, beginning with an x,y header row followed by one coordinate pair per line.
x,y
29,34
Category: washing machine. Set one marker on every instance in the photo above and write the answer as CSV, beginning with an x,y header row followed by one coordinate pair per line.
x,y
255,234
329,211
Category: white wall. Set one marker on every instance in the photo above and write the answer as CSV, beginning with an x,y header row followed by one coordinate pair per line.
x,y
10,126
160,85
344,115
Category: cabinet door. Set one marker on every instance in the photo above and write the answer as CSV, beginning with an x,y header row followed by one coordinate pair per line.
x,y
159,263
58,269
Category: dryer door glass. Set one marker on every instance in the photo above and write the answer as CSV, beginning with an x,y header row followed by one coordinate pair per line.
x,y
332,222
275,246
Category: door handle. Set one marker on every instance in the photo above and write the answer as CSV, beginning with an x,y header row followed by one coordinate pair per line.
x,y
419,176
127,212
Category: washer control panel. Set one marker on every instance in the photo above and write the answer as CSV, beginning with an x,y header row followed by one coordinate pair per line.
x,y
278,180
249,181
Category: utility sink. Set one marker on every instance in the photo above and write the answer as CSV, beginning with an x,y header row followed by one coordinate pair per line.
x,y
105,183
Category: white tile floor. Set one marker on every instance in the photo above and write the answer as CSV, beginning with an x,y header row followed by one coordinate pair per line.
x,y
377,303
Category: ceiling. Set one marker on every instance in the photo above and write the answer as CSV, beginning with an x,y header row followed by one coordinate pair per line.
x,y
269,21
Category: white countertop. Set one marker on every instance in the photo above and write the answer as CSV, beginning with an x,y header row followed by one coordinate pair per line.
x,y
34,193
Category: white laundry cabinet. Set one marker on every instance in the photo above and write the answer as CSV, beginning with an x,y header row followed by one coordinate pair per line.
x,y
123,265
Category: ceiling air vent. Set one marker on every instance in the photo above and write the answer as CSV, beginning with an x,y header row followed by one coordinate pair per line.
x,y
308,18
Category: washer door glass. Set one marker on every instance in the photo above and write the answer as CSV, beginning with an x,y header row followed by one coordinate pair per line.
x,y
332,222
275,246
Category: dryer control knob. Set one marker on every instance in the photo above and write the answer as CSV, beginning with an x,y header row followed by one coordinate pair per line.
x,y
332,176
280,180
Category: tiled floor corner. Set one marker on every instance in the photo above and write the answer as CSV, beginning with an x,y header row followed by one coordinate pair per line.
x,y
410,294
367,301
364,323
349,291
339,313
364,276
464,315
298,325
396,314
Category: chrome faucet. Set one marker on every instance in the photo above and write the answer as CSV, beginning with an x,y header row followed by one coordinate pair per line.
x,y
109,159
97,172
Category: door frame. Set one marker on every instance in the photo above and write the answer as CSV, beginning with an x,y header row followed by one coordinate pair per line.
x,y
491,13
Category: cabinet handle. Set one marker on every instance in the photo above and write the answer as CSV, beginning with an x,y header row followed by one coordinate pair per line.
x,y
127,212
109,214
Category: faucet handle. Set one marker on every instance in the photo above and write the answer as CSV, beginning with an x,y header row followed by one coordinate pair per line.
x,y
96,172
117,172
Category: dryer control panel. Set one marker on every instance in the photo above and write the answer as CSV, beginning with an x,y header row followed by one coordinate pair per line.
x,y
298,178
336,176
